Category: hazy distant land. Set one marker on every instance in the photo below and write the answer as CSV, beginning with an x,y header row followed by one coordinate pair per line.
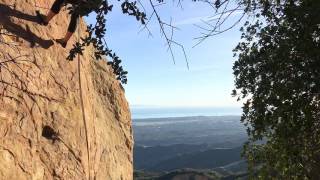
x,y
199,143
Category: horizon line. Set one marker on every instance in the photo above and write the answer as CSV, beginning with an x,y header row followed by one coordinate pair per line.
x,y
181,106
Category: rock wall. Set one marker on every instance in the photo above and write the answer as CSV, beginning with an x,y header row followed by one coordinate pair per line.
x,y
42,130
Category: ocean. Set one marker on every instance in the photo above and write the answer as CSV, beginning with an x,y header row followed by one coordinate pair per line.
x,y
163,112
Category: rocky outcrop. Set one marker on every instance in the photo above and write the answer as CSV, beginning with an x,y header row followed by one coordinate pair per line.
x,y
42,128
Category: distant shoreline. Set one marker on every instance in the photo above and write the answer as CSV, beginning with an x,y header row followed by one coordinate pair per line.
x,y
178,112
184,117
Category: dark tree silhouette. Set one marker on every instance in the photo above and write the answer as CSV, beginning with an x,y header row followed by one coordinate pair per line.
x,y
277,74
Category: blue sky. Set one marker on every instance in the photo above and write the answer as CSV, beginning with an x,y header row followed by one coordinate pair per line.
x,y
154,80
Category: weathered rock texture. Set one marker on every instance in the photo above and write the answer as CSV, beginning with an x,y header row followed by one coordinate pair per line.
x,y
42,132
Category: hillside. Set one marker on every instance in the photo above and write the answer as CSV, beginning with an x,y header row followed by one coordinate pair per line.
x,y
189,174
42,116
189,148
207,159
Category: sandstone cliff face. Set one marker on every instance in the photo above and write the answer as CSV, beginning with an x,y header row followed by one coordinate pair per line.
x,y
42,132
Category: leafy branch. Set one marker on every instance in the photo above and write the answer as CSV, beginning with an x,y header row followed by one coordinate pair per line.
x,y
97,32
96,37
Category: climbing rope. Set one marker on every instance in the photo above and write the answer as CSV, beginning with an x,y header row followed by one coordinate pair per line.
x,y
81,94
82,104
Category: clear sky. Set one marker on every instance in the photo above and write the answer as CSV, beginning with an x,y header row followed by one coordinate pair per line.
x,y
154,80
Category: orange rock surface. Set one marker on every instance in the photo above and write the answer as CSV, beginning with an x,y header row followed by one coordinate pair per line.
x,y
42,132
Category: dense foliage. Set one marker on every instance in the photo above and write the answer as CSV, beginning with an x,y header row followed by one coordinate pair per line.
x,y
278,75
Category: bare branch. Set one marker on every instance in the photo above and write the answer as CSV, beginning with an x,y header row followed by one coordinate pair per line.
x,y
168,37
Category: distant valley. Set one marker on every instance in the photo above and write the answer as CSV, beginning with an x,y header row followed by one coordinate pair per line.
x,y
167,145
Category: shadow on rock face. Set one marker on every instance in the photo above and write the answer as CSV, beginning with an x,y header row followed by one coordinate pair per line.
x,y
6,12
49,133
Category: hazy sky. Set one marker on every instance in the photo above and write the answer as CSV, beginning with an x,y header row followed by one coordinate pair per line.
x,y
154,80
